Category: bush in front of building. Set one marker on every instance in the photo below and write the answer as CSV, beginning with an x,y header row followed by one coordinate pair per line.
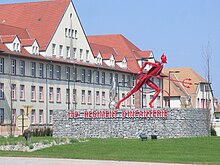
x,y
42,132
213,131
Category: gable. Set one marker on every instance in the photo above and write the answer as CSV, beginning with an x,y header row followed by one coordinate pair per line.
x,y
70,35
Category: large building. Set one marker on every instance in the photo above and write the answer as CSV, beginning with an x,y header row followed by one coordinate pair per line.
x,y
47,62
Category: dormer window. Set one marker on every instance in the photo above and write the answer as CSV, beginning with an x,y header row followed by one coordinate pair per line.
x,y
12,42
35,50
16,47
112,61
99,59
124,64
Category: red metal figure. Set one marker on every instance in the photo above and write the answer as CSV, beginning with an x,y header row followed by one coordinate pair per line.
x,y
144,78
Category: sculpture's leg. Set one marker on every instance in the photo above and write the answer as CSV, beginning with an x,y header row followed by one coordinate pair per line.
x,y
156,88
134,89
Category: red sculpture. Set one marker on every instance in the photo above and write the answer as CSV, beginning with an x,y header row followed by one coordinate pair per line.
x,y
144,78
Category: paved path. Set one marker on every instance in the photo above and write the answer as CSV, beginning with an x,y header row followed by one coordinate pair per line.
x,y
50,161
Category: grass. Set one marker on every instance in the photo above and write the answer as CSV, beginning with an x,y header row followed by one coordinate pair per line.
x,y
185,150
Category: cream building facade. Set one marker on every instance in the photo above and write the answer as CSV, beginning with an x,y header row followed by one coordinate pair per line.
x,y
47,62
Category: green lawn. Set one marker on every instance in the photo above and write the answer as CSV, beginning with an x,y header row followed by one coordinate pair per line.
x,y
184,150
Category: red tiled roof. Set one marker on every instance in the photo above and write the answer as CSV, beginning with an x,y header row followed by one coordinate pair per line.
x,y
183,74
122,48
106,51
142,54
34,16
117,41
12,30
7,38
27,42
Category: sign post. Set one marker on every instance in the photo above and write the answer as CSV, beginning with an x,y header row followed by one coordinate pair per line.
x,y
23,122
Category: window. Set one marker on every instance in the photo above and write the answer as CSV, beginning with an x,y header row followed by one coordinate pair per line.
x,y
116,78
103,77
17,47
61,50
22,93
83,97
202,88
203,103
81,54
123,80
67,73
13,67
58,72
68,52
103,98
33,116
123,103
14,46
87,55
144,100
58,95
74,96
158,102
51,116
51,95
41,70
89,76
112,62
97,77
133,80
13,91
53,49
89,97
33,50
99,60
33,69
22,68
51,71
22,112
1,91
132,100
128,81
83,75
75,34
72,33
74,53
1,65
66,32
41,119
198,103
74,74
1,115
111,78
67,95
97,98
69,33
13,116
33,93
128,102
41,94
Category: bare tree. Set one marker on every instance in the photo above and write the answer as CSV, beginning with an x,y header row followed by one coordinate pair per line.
x,y
207,54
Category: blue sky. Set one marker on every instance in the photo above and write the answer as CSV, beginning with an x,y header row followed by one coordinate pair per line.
x,y
181,29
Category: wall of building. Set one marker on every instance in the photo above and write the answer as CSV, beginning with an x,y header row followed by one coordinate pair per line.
x,y
178,123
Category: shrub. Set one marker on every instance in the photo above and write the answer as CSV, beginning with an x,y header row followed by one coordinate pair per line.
x,y
31,146
42,132
213,132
